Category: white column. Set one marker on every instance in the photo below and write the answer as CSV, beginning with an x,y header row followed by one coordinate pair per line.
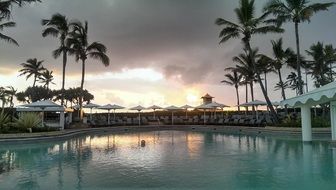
x,y
333,120
306,123
62,120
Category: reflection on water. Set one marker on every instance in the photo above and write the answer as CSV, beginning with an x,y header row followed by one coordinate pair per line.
x,y
169,159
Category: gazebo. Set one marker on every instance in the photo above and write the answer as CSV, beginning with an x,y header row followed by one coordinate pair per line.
x,y
322,95
47,106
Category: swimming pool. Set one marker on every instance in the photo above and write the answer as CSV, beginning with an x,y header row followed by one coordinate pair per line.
x,y
168,160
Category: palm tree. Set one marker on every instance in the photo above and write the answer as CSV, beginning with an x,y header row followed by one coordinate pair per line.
x,y
233,80
248,25
3,98
58,26
11,92
280,57
319,66
5,37
295,11
245,67
264,64
32,67
79,46
7,6
47,78
330,58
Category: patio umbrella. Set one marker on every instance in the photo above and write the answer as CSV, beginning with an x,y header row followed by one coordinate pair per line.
x,y
109,107
91,106
186,107
216,105
154,107
172,109
254,103
42,105
138,108
204,107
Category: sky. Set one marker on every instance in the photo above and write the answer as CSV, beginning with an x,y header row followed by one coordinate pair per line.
x,y
161,52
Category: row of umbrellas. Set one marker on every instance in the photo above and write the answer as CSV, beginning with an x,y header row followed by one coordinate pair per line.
x,y
108,107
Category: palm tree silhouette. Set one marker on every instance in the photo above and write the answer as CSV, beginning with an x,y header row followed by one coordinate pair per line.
x,y
247,26
7,6
58,26
79,46
233,80
295,11
32,67
319,66
46,78
4,37
280,57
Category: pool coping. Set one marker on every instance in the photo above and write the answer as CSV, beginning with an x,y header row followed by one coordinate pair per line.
x,y
244,130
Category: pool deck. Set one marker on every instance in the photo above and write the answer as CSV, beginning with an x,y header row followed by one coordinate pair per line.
x,y
318,133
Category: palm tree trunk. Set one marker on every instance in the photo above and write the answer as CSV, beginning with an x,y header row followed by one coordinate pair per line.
x,y
269,104
298,64
63,76
282,87
252,95
265,74
34,80
246,97
237,93
81,92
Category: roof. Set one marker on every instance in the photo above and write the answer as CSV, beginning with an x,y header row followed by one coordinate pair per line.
x,y
317,96
42,104
207,96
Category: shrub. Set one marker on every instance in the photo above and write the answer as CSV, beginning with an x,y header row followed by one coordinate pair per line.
x,y
4,120
317,122
28,120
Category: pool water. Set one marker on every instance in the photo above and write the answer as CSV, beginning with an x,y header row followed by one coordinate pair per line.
x,y
168,160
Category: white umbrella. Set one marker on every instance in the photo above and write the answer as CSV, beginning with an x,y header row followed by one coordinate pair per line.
x,y
42,105
204,107
186,107
154,107
138,108
91,106
216,105
172,109
109,107
254,103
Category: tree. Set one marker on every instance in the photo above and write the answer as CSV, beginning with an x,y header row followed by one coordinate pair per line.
x,y
5,14
246,68
295,11
33,94
264,64
233,80
79,46
3,98
32,67
7,6
5,37
46,78
248,25
58,26
320,67
280,57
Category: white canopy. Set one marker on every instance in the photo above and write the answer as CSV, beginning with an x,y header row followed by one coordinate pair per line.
x,y
91,105
154,107
186,107
253,103
110,107
138,108
217,105
204,106
42,104
317,96
172,108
